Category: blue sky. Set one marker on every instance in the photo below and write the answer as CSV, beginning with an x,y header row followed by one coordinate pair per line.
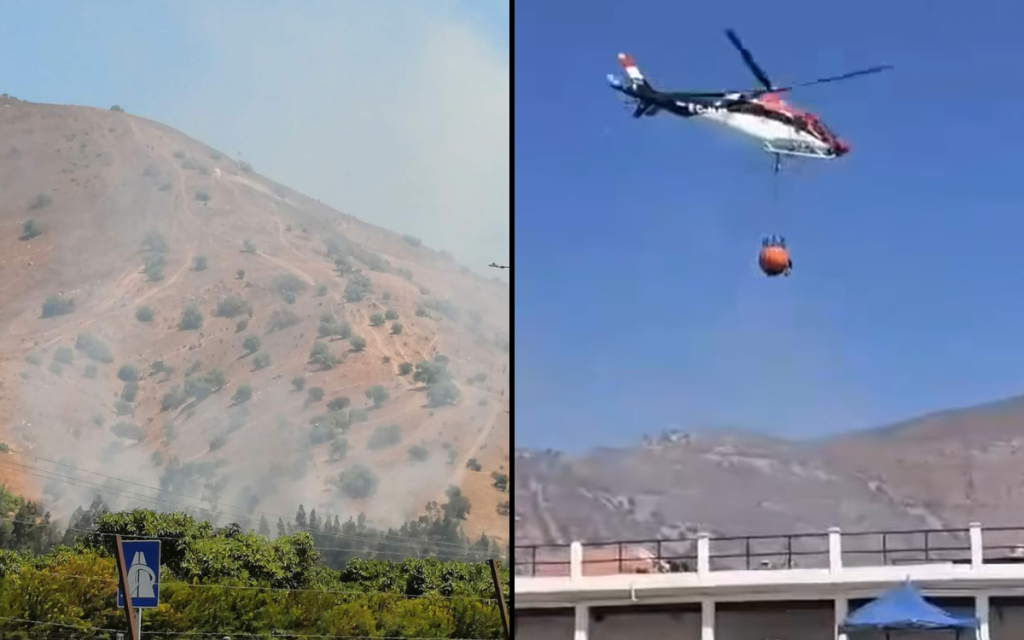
x,y
638,302
359,104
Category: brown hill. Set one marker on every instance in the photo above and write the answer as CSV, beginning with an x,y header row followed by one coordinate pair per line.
x,y
110,193
943,469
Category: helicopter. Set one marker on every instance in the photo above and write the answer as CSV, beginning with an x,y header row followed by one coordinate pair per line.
x,y
760,113
499,266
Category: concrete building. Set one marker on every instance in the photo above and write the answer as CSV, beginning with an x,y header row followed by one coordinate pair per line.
x,y
764,587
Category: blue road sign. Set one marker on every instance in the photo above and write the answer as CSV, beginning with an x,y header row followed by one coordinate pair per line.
x,y
143,560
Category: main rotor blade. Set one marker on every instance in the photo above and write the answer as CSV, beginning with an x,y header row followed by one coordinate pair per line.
x,y
686,95
845,76
748,58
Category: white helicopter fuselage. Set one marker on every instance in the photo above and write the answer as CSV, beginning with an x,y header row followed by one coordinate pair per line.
x,y
775,136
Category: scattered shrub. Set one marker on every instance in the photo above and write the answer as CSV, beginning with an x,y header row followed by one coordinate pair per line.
x,y
64,355
315,394
89,371
144,314
241,326
339,403
422,312
30,229
339,449
199,263
242,394
500,481
123,408
320,355
442,393
357,288
404,369
261,361
458,506
404,273
413,241
233,306
473,465
378,394
198,167
191,318
218,441
376,319
321,290
245,166
117,108
251,344
173,399
154,267
202,196
41,201
418,453
452,457
384,437
503,509
478,378
248,246
201,387
130,390
288,285
299,383
357,482
179,154
159,367
58,306
128,431
128,373
330,327
358,343
396,329
155,242
357,416
98,419
240,274
56,368
283,319
94,348
391,314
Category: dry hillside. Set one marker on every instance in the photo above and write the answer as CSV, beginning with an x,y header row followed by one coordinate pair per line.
x,y
124,212
943,469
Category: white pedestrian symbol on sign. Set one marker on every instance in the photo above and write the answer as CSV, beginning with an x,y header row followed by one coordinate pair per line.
x,y
141,578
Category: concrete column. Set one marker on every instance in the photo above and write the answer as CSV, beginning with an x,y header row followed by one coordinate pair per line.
x,y
703,553
707,619
842,609
582,629
977,546
575,560
835,550
981,610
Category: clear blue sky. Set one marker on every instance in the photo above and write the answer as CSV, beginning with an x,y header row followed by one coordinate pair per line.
x,y
360,104
638,303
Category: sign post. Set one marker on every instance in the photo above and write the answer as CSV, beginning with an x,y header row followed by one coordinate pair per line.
x,y
139,565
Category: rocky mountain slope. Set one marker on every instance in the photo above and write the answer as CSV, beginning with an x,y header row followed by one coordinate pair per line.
x,y
944,469
124,242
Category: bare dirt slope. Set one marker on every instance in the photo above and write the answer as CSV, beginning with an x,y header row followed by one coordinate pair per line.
x,y
97,184
945,469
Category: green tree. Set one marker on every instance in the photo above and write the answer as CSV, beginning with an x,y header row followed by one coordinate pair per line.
x,y
396,329
191,318
378,395
298,382
199,263
242,394
261,361
358,343
376,319
144,314
251,344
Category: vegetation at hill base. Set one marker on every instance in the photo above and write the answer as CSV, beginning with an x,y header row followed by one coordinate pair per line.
x,y
315,575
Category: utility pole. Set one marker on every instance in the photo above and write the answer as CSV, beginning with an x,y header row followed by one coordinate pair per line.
x,y
122,570
502,609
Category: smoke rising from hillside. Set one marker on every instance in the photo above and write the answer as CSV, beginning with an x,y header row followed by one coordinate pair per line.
x,y
397,116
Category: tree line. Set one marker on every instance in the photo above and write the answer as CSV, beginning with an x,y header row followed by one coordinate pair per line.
x,y
317,576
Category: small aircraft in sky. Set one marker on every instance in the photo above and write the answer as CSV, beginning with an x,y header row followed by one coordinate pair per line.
x,y
760,113
499,266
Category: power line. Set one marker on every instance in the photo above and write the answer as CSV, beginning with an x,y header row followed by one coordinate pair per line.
x,y
73,481
225,633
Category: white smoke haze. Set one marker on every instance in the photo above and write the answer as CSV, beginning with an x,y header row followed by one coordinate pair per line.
x,y
397,114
